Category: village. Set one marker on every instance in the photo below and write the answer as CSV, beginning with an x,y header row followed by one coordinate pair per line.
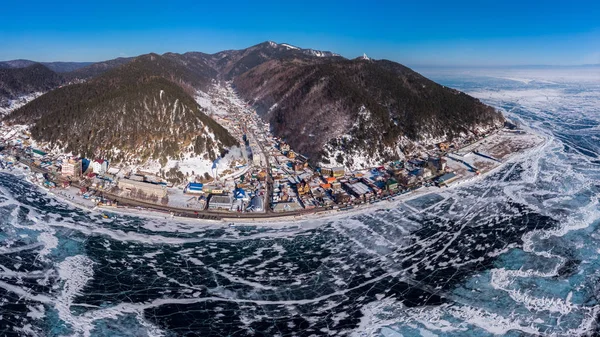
x,y
270,178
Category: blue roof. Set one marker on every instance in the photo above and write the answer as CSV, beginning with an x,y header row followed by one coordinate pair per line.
x,y
239,193
195,186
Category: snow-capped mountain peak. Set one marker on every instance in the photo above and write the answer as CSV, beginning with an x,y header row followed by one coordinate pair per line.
x,y
288,46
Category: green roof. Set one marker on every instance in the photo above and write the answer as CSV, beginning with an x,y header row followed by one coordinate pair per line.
x,y
40,152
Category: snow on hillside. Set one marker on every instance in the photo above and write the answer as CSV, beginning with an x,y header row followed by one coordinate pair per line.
x,y
219,100
193,166
13,104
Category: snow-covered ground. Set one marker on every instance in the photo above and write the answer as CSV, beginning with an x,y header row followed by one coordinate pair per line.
x,y
14,104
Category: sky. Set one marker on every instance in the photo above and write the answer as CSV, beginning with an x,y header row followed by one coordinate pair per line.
x,y
415,33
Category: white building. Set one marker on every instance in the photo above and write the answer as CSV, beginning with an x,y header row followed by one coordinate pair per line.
x,y
99,166
71,168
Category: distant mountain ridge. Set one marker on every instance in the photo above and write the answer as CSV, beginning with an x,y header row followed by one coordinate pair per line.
x,y
59,67
15,82
336,111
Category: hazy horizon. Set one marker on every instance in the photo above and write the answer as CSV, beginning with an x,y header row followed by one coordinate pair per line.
x,y
450,66
468,33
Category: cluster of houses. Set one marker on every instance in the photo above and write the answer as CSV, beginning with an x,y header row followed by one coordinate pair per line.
x,y
299,186
245,195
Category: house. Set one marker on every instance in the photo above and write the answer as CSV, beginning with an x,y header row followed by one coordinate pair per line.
x,y
113,170
341,198
426,173
99,166
444,146
326,186
391,185
291,155
303,187
284,147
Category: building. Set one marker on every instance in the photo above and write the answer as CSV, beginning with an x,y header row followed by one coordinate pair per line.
x,y
358,189
134,187
193,188
437,164
391,185
220,202
284,147
209,189
256,204
239,193
71,168
338,171
341,198
446,179
256,158
289,206
426,173
99,166
38,153
444,146
303,188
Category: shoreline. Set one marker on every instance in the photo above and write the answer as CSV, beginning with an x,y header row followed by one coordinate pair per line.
x,y
291,218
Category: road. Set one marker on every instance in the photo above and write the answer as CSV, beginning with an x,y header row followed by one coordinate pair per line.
x,y
267,203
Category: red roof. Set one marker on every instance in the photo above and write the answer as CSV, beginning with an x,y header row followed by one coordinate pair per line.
x,y
99,161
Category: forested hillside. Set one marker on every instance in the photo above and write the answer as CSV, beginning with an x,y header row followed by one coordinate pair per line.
x,y
133,113
15,82
374,109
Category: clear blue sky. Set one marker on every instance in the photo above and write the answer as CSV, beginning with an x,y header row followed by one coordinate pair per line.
x,y
418,32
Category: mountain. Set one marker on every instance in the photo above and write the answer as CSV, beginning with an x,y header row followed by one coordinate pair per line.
x,y
232,63
16,82
59,67
361,111
132,113
23,80
337,111
97,68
